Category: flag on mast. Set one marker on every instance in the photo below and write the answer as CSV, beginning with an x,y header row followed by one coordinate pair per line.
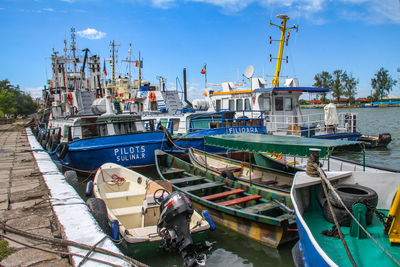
x,y
203,71
104,68
139,63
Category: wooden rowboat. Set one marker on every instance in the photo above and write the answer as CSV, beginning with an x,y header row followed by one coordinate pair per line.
x,y
129,199
293,164
242,171
254,212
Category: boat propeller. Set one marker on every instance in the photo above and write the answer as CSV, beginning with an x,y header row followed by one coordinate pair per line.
x,y
174,228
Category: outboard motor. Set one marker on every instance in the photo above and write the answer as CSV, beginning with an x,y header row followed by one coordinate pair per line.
x,y
174,227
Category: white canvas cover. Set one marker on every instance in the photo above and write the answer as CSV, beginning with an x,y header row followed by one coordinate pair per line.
x,y
331,117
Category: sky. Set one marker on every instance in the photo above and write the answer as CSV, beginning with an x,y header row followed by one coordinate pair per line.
x,y
357,36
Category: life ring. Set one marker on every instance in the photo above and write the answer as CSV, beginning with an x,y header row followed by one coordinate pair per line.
x,y
62,150
152,97
70,99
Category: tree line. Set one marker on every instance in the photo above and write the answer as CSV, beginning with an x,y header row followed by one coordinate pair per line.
x,y
14,102
343,84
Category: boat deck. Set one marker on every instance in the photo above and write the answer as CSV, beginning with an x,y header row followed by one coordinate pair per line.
x,y
364,251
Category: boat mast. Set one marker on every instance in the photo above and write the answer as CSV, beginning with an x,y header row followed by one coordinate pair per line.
x,y
73,47
140,72
113,45
129,60
284,18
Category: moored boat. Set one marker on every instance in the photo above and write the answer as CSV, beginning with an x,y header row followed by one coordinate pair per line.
x,y
241,171
369,197
132,202
293,164
245,209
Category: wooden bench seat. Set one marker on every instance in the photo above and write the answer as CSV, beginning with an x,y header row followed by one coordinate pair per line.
x,y
223,194
260,207
201,186
146,231
173,171
269,182
230,168
127,211
186,179
239,200
120,194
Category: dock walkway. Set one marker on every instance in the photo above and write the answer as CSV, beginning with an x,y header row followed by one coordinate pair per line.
x,y
35,197
23,201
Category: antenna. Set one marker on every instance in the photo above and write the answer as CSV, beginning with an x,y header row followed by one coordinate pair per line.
x,y
248,73
282,41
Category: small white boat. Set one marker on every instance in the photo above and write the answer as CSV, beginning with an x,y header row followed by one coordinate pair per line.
x,y
133,200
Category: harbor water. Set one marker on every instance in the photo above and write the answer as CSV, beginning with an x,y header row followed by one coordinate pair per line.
x,y
235,250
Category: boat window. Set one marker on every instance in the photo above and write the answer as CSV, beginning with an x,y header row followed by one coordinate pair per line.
x,y
218,104
279,103
239,104
139,126
231,104
247,104
175,124
163,122
287,103
266,103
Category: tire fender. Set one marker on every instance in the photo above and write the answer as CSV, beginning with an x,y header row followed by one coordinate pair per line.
x,y
228,174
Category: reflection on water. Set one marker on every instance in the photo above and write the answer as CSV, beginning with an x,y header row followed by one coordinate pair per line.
x,y
230,249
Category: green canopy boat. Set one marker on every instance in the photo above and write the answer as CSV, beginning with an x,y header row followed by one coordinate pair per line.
x,y
287,145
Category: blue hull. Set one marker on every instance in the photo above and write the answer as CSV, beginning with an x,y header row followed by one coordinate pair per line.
x,y
341,136
137,150
131,150
196,139
311,256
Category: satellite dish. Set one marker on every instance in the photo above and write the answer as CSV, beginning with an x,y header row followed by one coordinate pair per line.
x,y
248,73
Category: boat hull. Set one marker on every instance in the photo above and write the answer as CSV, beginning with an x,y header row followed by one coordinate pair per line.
x,y
267,230
132,150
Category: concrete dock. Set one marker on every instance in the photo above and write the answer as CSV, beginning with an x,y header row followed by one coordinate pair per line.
x,y
34,197
24,201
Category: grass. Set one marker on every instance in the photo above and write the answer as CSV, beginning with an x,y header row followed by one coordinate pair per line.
x,y
5,251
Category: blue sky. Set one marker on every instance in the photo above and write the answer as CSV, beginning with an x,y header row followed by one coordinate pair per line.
x,y
358,36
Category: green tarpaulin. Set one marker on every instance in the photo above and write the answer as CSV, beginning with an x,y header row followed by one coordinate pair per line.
x,y
290,145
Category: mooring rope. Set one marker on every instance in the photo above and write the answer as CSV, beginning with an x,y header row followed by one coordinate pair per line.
x,y
65,242
326,181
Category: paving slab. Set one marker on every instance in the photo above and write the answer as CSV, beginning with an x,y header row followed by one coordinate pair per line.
x,y
28,257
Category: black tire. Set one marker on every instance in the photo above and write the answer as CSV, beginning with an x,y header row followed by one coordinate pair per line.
x,y
342,216
49,143
54,142
228,174
62,150
98,209
352,194
72,178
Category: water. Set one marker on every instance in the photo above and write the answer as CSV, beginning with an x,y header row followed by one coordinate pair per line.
x,y
372,121
234,250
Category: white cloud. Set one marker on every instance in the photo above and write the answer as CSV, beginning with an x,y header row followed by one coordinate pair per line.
x,y
68,1
91,34
164,4
35,92
48,9
1,8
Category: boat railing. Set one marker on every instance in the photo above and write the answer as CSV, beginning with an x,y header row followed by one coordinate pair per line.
x,y
310,124
221,121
